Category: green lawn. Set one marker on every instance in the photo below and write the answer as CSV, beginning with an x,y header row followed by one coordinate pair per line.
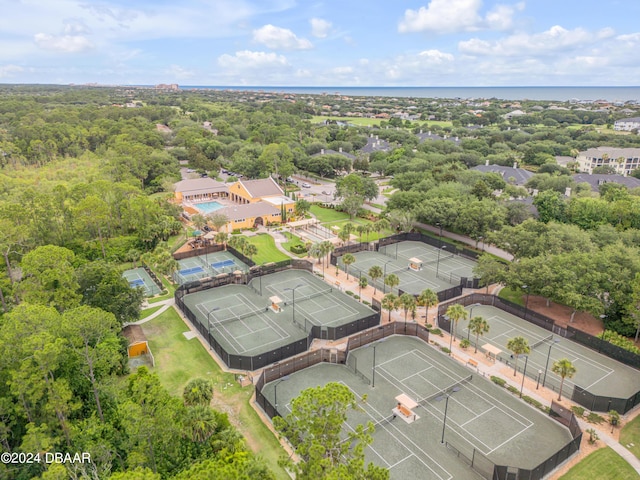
x,y
367,122
515,296
631,434
328,214
179,360
603,464
149,311
292,240
267,250
330,217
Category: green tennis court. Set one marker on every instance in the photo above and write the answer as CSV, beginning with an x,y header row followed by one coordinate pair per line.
x,y
435,274
483,422
597,373
138,277
243,319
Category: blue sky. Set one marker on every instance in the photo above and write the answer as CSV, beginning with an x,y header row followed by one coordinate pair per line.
x,y
321,43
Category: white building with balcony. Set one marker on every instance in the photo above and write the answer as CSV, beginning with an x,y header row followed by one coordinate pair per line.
x,y
622,160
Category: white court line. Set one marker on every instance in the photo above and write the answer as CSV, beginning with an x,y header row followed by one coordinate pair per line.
x,y
400,442
606,371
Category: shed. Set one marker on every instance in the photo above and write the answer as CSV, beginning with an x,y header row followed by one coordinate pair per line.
x,y
136,341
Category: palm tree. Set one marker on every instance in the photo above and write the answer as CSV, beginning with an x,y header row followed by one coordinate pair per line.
x,y
391,281
389,302
564,368
199,221
408,303
315,251
362,283
375,272
198,391
361,229
427,298
380,225
519,346
344,235
218,220
347,259
456,312
327,247
250,250
368,228
221,238
479,326
200,423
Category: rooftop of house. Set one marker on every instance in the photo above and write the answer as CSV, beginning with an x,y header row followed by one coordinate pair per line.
x,y
134,334
519,174
595,180
613,152
375,145
199,185
328,151
248,210
262,187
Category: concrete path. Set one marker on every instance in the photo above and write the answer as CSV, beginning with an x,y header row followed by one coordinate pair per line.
x,y
166,305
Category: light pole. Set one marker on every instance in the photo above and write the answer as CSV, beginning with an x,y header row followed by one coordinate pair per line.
x,y
373,368
555,340
450,332
440,237
275,393
293,290
524,373
526,303
444,247
384,276
446,407
538,384
471,316
604,329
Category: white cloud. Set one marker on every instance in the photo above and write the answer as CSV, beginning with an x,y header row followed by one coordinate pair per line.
x,y
248,60
180,73
501,17
450,16
10,70
442,16
63,43
278,38
436,56
556,39
319,27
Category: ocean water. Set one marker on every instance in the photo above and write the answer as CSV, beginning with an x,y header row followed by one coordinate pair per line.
x,y
564,94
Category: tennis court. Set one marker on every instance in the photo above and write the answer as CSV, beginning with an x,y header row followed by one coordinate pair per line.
x,y
480,416
435,275
138,277
209,265
595,373
242,318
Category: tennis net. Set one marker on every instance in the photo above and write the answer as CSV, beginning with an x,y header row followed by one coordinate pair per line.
x,y
427,399
234,318
540,342
314,295
442,259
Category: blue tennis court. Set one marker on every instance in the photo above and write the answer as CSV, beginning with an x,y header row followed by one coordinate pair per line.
x,y
140,278
191,271
224,263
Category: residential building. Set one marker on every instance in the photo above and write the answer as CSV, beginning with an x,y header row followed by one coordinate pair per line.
x,y
595,180
622,160
627,124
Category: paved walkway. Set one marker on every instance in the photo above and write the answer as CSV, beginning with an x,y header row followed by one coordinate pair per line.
x,y
166,305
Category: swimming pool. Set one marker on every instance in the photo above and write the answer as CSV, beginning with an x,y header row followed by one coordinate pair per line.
x,y
208,207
